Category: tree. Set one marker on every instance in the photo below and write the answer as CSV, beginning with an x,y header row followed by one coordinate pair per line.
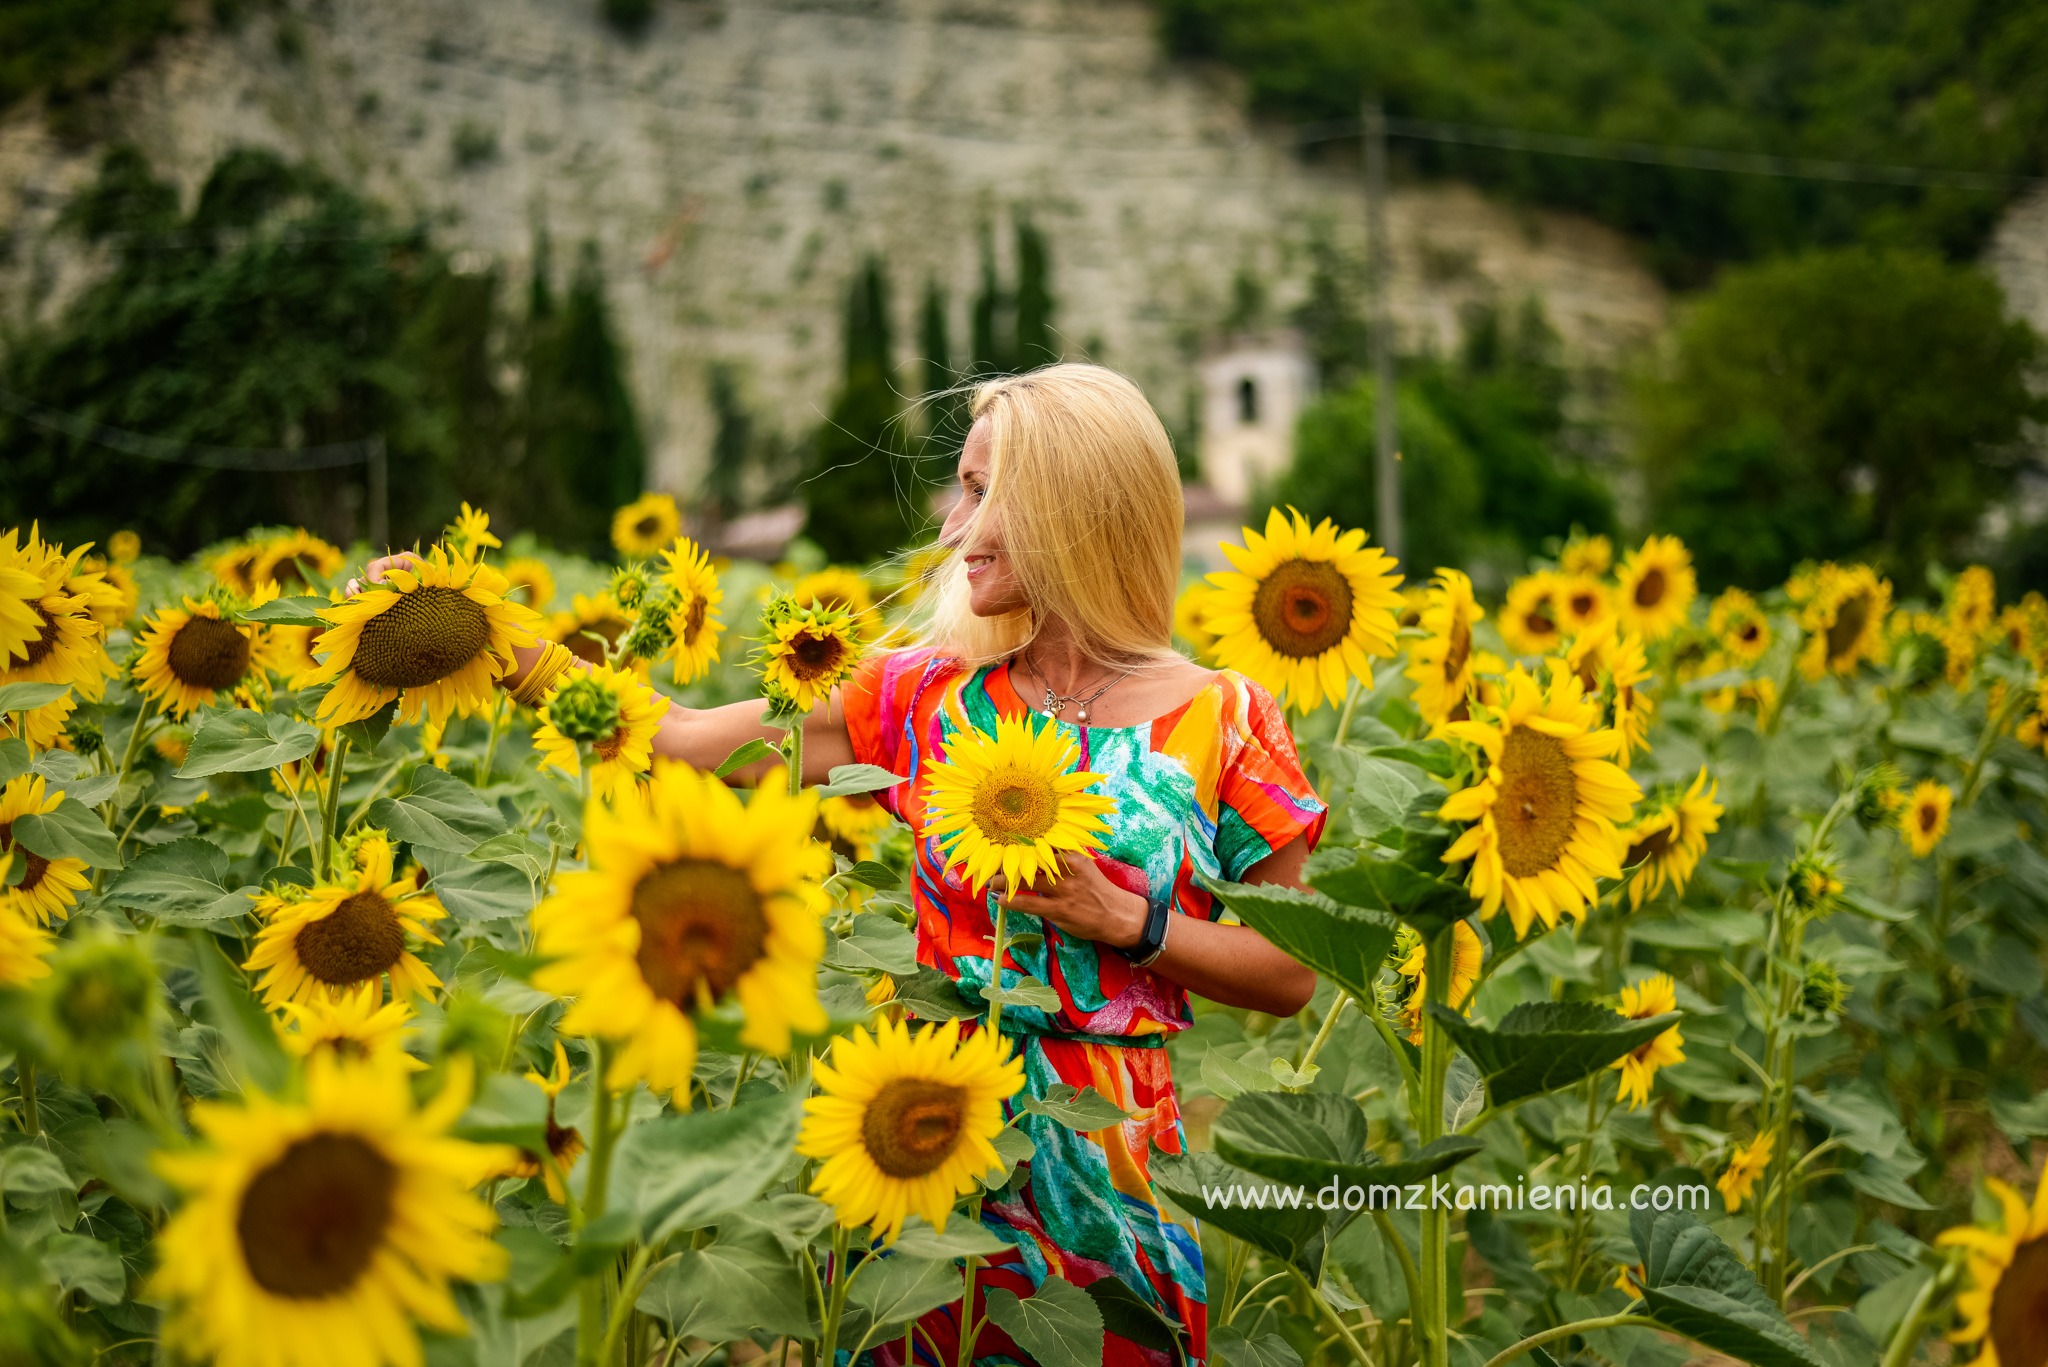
x,y
865,493
1013,328
1846,402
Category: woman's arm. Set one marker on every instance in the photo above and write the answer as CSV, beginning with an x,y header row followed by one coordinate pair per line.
x,y
1234,965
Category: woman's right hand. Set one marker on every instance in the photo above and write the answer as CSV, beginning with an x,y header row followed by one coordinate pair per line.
x,y
378,568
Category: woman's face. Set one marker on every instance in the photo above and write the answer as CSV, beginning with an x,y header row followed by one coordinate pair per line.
x,y
992,587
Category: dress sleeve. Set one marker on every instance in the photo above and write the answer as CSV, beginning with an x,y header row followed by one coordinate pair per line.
x,y
1263,798
874,701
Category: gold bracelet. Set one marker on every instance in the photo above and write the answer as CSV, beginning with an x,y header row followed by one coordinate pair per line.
x,y
547,671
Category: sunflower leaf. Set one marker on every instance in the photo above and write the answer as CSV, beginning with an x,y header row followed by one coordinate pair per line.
x,y
1230,1346
1541,1046
1016,1149
1208,1187
1694,1284
1431,756
1311,1139
251,1053
962,1238
1026,991
1424,901
845,780
892,1294
506,1110
27,697
930,995
740,1283
474,890
874,942
182,882
1128,1315
753,752
1058,1324
70,830
236,740
438,811
687,1171
1345,944
1077,1108
289,612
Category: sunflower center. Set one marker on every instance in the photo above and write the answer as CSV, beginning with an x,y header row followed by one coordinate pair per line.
x,y
1847,628
2019,1308
608,747
1583,603
1650,588
422,638
311,1222
358,940
1013,807
1459,649
34,865
702,926
290,572
1749,632
1303,607
815,657
1929,818
1538,620
592,651
1651,846
1538,795
44,641
209,653
693,620
913,1125
647,526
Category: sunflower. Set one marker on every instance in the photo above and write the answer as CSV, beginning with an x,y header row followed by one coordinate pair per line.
x,y
2023,628
696,623
1925,817
1581,602
905,1123
49,887
1191,620
1628,669
1844,618
1665,844
235,567
296,562
1592,555
1653,996
1973,601
1544,813
1304,610
436,634
807,653
2033,728
470,533
67,645
613,712
1655,587
117,593
191,655
313,1232
837,586
564,1142
24,945
20,623
646,524
1740,626
335,938
45,728
1009,803
357,1024
1441,663
691,897
124,547
854,824
529,582
1530,616
1745,1165
589,627
1468,953
2005,1307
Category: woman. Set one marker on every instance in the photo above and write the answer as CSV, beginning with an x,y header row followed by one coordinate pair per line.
x,y
1058,600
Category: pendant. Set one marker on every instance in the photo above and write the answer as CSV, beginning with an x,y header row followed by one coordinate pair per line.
x,y
1081,716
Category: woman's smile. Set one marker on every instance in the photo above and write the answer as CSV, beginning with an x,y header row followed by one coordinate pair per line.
x,y
979,564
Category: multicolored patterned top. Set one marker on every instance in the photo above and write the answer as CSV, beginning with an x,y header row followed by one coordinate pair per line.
x,y
1211,788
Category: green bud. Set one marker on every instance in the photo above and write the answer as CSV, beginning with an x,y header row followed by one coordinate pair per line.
x,y
97,1010
1880,792
1814,881
584,709
631,584
85,736
1823,992
471,1025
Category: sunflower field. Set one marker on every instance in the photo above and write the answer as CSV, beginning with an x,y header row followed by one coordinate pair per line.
x,y
1681,987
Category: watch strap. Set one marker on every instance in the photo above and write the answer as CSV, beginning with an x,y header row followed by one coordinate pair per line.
x,y
1152,942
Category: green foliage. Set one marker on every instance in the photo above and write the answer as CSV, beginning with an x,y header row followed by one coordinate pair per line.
x,y
64,50
865,492
1013,325
1844,403
1924,83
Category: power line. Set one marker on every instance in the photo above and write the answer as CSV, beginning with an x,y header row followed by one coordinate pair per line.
x,y
253,459
1665,154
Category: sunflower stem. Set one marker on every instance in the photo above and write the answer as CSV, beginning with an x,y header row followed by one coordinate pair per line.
x,y
590,1313
1432,1316
483,768
31,1113
1933,1292
995,972
1315,1046
1350,706
793,756
330,806
828,1345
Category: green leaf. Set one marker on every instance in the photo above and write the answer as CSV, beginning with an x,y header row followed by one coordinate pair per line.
x,y
1058,1324
179,883
892,1292
70,830
1231,1078
1426,902
1077,1108
507,1110
1380,795
248,1038
367,733
438,811
964,1237
741,1283
875,875
1208,1187
76,1263
1464,1093
237,741
845,780
1014,1147
475,892
1343,944
1309,1139
291,612
1026,991
1229,1346
1542,1046
874,942
753,752
1695,1284
686,1171
930,995
28,1169
1129,1315
1431,756
516,850
27,697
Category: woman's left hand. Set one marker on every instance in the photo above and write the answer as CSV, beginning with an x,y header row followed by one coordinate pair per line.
x,y
1083,903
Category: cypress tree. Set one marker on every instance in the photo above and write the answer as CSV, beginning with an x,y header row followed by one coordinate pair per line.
x,y
862,493
731,441
1036,343
992,309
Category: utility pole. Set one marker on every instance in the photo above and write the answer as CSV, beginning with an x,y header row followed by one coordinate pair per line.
x,y
1386,445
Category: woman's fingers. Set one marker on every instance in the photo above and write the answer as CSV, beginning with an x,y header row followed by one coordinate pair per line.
x,y
377,569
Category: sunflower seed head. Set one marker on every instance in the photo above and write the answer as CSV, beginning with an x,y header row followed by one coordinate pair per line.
x,y
584,709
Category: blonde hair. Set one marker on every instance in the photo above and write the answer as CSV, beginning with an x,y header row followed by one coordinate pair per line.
x,y
1083,481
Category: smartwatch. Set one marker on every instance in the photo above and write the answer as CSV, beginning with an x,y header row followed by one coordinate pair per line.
x,y
1152,943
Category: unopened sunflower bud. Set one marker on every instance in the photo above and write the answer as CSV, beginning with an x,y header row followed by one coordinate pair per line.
x,y
631,584
653,631
85,736
1823,992
97,1009
1880,792
583,709
1814,881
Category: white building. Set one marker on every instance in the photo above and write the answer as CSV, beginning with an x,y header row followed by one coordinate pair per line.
x,y
1252,392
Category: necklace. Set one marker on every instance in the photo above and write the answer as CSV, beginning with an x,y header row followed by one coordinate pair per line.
x,y
1056,703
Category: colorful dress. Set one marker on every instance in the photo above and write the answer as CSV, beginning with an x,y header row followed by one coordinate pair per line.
x,y
1211,788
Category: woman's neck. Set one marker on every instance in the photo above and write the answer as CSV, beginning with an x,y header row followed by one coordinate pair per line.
x,y
1055,657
